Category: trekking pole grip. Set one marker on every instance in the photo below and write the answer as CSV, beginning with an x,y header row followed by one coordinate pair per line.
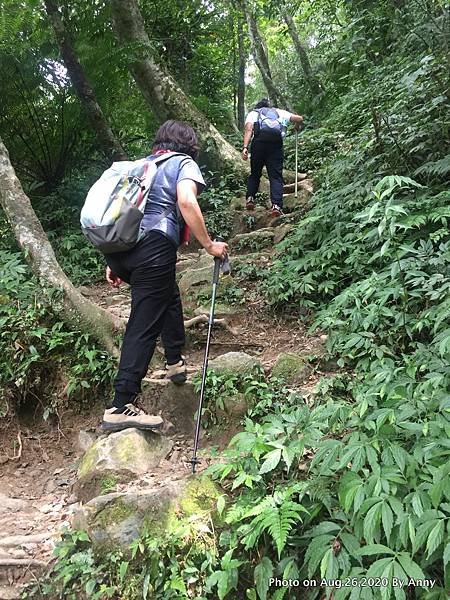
x,y
217,262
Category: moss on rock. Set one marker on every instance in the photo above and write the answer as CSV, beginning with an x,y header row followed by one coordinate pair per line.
x,y
116,458
113,514
108,483
87,463
119,518
291,367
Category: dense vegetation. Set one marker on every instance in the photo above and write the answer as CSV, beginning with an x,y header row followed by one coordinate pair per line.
x,y
356,485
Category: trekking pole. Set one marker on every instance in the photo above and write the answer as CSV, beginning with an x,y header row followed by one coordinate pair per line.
x,y
296,163
217,266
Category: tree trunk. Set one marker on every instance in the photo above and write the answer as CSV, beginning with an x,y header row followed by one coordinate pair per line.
x,y
164,96
241,76
300,48
276,97
31,237
108,142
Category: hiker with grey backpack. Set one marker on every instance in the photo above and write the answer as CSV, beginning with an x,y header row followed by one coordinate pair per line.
x,y
137,214
266,127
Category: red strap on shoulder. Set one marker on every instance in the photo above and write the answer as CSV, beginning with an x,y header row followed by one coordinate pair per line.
x,y
141,191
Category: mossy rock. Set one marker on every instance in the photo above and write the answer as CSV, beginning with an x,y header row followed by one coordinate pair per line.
x,y
236,406
291,203
234,362
97,483
115,520
238,204
119,455
253,241
195,277
128,450
176,403
204,291
291,367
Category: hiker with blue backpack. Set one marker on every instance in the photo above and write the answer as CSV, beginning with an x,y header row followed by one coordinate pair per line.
x,y
136,214
267,126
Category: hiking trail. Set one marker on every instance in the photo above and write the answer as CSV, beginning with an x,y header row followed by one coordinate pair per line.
x,y
68,473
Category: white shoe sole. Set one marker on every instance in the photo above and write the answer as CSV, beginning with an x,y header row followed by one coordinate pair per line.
x,y
129,425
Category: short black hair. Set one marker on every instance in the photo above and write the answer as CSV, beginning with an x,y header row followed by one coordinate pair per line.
x,y
263,103
177,136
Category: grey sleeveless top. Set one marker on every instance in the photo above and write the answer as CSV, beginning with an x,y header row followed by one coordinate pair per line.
x,y
163,194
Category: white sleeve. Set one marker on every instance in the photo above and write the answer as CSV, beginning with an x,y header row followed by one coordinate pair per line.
x,y
252,117
284,114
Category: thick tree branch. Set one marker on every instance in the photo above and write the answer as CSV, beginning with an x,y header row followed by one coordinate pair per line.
x,y
313,83
276,97
105,136
31,237
164,96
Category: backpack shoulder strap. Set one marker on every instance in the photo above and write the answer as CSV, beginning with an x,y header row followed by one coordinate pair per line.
x,y
161,159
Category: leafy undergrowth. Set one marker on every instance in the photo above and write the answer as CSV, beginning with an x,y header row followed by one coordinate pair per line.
x,y
337,491
42,359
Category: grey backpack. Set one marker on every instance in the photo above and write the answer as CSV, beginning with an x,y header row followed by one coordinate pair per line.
x,y
114,206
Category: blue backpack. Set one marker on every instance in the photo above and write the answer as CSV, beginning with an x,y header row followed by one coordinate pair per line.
x,y
269,125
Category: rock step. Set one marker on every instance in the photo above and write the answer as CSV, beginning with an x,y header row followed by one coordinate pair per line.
x,y
24,540
9,593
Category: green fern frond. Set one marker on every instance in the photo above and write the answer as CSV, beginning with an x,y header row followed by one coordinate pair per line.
x,y
275,519
438,167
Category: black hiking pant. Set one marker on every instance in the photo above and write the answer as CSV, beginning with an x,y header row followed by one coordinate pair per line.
x,y
269,155
156,310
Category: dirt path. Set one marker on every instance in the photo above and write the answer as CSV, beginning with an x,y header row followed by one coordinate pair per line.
x,y
36,499
36,495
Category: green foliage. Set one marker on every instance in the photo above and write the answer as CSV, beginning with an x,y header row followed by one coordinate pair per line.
x,y
249,271
261,393
372,501
215,204
59,213
315,146
40,356
354,484
149,569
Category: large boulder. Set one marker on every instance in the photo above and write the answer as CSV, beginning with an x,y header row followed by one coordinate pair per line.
x,y
291,367
117,457
116,519
305,191
234,362
196,277
198,261
176,403
235,406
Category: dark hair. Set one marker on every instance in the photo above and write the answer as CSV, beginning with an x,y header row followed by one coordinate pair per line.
x,y
263,103
177,136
